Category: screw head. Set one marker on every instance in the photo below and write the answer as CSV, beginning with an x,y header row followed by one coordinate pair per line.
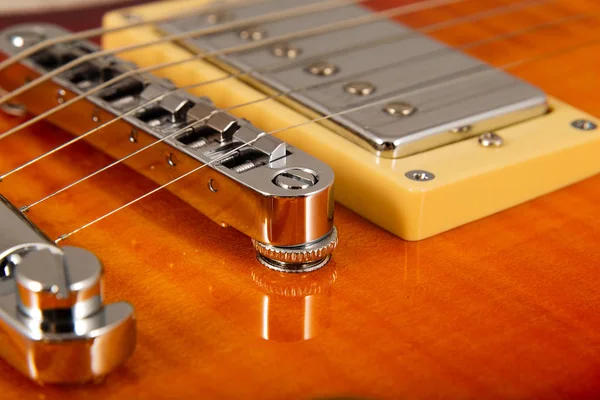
x,y
399,108
253,34
286,50
490,139
584,125
420,175
25,39
360,88
461,129
296,179
322,68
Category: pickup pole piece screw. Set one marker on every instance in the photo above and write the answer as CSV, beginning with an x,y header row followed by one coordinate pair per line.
x,y
322,68
490,139
25,39
295,179
399,108
360,88
286,50
584,125
253,34
420,175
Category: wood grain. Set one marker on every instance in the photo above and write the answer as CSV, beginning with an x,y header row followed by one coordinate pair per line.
x,y
506,307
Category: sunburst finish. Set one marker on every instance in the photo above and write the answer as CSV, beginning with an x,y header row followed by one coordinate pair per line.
x,y
505,307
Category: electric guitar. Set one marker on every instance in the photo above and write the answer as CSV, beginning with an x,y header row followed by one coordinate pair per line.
x,y
301,199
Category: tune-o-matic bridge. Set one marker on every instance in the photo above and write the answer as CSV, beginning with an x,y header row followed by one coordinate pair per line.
x,y
276,194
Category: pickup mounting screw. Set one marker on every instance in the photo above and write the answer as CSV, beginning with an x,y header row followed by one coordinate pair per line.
x,y
360,88
25,39
286,50
584,125
399,108
253,34
490,139
420,175
322,68
461,129
295,179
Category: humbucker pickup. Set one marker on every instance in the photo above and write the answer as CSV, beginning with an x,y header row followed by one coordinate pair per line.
x,y
422,138
275,193
380,60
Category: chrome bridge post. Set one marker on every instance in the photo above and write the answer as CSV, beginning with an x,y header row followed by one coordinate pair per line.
x,y
54,327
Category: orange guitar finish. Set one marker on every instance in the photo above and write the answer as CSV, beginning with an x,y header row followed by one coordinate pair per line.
x,y
506,307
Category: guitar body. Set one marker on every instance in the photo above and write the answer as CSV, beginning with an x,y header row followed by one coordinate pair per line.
x,y
504,307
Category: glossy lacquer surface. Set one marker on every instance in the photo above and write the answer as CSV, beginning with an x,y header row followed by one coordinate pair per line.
x,y
506,307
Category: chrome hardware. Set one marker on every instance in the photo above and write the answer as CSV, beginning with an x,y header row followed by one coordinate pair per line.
x,y
286,51
305,258
584,125
253,34
274,206
360,88
322,68
490,139
25,39
296,179
461,129
51,306
420,175
400,109
449,88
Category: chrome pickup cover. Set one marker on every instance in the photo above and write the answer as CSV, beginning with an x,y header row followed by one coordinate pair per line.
x,y
454,95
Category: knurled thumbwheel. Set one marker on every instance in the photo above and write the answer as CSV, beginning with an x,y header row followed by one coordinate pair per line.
x,y
297,258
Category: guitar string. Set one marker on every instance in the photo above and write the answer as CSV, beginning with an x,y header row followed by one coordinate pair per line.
x,y
401,10
260,19
207,10
271,97
422,30
504,67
